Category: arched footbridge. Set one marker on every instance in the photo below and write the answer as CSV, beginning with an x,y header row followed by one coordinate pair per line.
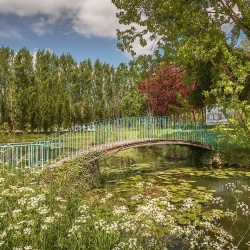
x,y
110,136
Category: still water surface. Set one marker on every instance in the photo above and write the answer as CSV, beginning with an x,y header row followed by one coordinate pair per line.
x,y
153,165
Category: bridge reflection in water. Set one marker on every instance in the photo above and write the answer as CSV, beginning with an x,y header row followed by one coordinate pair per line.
x,y
110,135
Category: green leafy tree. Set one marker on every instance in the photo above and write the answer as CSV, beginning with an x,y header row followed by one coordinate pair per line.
x,y
82,107
121,86
245,45
7,96
97,91
24,86
110,90
187,31
44,84
132,103
68,80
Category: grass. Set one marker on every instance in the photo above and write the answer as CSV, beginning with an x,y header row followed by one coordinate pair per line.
x,y
48,211
21,137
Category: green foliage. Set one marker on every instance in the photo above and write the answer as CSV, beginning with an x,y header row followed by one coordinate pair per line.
x,y
234,150
73,177
187,32
137,215
24,84
48,92
132,104
5,133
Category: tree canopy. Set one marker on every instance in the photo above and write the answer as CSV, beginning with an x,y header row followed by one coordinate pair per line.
x,y
50,91
165,91
191,32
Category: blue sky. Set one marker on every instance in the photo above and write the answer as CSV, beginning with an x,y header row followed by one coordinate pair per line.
x,y
83,28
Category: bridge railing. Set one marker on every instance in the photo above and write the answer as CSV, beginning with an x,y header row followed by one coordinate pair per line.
x,y
101,136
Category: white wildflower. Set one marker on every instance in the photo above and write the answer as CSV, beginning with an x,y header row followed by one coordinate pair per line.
x,y
132,243
73,230
121,199
217,200
140,184
49,219
3,214
3,234
136,197
246,187
117,210
43,210
34,201
231,186
82,209
109,195
26,189
60,199
27,231
188,203
244,208
44,227
103,201
58,214
22,201
167,193
16,212
28,248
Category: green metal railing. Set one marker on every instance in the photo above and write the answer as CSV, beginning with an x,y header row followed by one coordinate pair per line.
x,y
101,136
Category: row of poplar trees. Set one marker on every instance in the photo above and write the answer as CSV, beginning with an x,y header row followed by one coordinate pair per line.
x,y
47,92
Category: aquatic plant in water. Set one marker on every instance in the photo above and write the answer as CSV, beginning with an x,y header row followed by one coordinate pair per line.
x,y
36,218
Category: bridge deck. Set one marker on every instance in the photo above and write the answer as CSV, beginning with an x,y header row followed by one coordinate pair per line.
x,y
110,136
118,146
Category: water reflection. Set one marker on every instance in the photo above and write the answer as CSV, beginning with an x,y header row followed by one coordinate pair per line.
x,y
154,164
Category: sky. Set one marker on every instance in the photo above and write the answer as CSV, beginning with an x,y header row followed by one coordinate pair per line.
x,y
83,28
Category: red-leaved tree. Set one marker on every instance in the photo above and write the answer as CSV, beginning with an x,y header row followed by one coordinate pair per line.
x,y
165,91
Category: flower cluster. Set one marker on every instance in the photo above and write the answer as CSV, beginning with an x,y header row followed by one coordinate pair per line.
x,y
31,218
217,200
230,186
244,208
131,243
25,214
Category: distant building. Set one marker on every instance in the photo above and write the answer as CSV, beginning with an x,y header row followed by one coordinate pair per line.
x,y
216,115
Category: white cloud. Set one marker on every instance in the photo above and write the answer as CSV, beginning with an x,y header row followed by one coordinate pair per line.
x,y
39,27
10,34
88,17
146,50
97,18
85,17
31,7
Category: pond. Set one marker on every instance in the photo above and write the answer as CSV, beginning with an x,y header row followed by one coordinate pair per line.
x,y
155,169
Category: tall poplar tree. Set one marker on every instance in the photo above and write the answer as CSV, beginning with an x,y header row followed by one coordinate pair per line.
x,y
7,88
82,106
68,79
97,92
44,108
25,87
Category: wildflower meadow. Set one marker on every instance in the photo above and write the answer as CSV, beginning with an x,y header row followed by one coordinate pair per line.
x,y
35,216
